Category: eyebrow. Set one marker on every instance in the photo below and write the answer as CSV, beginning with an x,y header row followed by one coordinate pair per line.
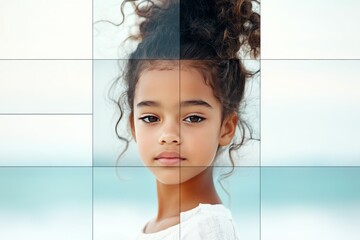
x,y
187,103
195,103
148,104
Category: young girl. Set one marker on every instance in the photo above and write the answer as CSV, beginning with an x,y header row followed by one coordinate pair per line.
x,y
184,86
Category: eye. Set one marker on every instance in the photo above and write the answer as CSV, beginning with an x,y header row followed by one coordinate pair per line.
x,y
149,119
194,119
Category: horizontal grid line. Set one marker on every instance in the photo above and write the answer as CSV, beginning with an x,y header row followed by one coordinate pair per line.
x,y
44,166
243,59
46,59
112,59
310,59
46,114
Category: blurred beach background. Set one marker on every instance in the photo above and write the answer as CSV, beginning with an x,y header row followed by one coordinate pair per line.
x,y
39,203
296,202
307,188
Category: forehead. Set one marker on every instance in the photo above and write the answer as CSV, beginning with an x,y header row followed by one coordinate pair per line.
x,y
172,85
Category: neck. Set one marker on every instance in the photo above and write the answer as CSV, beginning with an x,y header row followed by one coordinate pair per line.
x,y
176,198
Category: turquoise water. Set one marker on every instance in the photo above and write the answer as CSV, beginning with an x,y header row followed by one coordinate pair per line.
x,y
121,200
40,188
34,187
310,185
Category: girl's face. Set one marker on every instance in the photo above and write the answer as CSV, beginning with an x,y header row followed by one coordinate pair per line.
x,y
176,123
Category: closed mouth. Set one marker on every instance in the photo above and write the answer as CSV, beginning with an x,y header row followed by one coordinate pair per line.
x,y
180,158
169,156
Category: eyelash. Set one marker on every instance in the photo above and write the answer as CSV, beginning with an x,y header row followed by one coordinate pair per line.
x,y
196,116
147,117
147,120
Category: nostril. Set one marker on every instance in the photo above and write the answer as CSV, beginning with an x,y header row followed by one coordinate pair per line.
x,y
169,139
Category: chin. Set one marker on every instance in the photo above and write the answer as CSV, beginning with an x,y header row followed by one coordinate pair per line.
x,y
172,180
167,175
175,175
168,182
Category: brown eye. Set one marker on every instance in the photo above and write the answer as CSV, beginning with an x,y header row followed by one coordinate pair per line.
x,y
194,119
149,119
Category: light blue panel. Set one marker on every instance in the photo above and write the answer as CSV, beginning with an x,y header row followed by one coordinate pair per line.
x,y
124,200
242,198
45,203
107,147
310,203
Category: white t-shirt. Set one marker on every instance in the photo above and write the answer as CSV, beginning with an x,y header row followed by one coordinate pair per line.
x,y
205,222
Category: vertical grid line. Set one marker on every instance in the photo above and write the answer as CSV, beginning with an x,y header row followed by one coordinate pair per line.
x,y
92,120
259,214
179,137
260,153
260,135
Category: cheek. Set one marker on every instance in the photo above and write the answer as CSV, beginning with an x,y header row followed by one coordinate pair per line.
x,y
143,132
206,135
201,144
145,138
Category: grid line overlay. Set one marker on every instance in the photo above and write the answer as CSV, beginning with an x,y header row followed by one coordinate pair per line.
x,y
260,135
246,59
93,166
180,137
92,123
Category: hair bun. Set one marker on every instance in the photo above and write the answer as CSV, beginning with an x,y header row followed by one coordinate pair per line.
x,y
224,26
239,27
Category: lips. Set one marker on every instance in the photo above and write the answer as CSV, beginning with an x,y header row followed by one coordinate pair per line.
x,y
169,155
169,158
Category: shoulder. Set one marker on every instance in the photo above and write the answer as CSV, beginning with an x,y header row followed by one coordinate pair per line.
x,y
211,222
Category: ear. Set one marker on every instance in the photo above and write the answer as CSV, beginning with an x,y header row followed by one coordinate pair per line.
x,y
228,129
132,126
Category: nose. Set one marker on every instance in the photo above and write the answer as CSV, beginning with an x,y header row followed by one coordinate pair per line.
x,y
170,134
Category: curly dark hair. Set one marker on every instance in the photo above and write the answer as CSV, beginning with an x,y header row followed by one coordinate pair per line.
x,y
208,35
202,29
